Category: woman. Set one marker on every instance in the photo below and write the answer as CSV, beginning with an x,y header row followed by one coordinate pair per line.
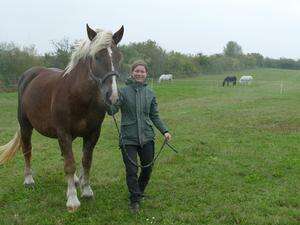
x,y
138,108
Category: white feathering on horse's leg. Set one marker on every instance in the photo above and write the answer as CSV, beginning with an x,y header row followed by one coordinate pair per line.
x,y
72,203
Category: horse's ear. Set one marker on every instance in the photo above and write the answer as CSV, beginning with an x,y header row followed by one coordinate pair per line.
x,y
90,32
118,35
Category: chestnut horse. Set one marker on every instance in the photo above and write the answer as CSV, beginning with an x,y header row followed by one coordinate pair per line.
x,y
66,104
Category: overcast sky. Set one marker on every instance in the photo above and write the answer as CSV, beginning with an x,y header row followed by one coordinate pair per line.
x,y
269,27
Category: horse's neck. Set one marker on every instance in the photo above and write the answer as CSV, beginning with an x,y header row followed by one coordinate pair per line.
x,y
82,86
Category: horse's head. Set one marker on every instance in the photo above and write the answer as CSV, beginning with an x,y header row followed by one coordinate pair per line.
x,y
104,61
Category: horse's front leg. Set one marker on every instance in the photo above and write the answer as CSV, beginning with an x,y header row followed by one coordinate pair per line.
x,y
89,143
65,142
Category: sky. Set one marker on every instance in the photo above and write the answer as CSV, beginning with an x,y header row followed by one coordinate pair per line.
x,y
268,27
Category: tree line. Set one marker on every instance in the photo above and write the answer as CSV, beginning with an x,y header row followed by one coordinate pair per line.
x,y
14,60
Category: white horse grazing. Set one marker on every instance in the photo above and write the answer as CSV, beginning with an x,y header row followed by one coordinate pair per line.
x,y
246,80
165,77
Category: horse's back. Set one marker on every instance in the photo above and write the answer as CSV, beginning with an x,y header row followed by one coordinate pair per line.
x,y
37,83
165,77
230,78
246,79
35,72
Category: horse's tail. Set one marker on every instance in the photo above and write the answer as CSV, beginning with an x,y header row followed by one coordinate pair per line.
x,y
223,83
11,148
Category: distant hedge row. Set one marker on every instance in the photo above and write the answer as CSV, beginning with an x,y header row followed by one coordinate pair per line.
x,y
14,60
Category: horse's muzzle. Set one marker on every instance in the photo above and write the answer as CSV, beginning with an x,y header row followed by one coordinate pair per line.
x,y
111,98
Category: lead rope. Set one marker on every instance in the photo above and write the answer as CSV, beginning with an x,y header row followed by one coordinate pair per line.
x,y
123,149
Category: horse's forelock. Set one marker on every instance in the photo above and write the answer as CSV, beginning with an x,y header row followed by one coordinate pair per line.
x,y
101,41
84,48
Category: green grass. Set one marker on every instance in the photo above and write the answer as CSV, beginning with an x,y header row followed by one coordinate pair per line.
x,y
239,160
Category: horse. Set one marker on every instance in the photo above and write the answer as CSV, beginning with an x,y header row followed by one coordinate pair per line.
x,y
246,80
229,79
165,77
66,104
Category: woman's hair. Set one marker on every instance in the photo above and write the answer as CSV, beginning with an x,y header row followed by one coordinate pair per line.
x,y
138,63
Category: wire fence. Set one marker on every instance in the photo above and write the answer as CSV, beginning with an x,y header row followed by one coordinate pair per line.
x,y
10,87
282,85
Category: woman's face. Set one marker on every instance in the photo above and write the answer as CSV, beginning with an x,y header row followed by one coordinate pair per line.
x,y
139,73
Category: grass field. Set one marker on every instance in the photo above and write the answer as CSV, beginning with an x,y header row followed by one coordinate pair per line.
x,y
239,160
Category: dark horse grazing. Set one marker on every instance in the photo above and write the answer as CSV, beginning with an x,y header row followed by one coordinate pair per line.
x,y
70,103
230,79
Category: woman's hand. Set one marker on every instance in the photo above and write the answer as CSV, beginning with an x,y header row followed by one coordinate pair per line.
x,y
168,136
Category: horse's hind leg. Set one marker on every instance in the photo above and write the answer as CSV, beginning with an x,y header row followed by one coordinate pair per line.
x,y
89,143
26,132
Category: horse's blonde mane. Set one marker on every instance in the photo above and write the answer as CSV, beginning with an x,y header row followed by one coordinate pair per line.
x,y
85,48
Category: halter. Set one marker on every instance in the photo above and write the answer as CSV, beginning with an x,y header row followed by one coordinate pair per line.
x,y
98,80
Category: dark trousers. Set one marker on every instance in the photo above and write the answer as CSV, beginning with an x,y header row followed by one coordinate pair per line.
x,y
137,184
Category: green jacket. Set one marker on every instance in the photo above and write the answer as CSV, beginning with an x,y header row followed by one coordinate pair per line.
x,y
138,108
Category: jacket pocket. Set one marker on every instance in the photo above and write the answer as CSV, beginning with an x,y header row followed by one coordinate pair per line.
x,y
129,130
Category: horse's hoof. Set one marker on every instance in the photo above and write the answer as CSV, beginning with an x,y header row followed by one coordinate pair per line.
x,y
72,209
29,182
29,185
73,204
88,197
87,193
